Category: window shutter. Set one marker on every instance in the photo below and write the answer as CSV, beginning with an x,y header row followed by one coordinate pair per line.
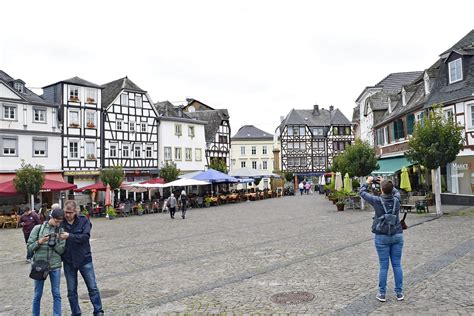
x,y
410,123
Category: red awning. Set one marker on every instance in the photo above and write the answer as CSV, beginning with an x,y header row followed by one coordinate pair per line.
x,y
99,186
52,185
7,188
154,181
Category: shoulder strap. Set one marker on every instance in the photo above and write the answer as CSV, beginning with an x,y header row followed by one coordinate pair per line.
x,y
385,209
383,204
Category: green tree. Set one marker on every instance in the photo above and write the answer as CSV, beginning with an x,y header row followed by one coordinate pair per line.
x,y
357,160
169,172
113,176
219,165
435,143
288,176
29,180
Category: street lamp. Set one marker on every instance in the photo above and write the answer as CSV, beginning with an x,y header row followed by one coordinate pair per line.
x,y
62,197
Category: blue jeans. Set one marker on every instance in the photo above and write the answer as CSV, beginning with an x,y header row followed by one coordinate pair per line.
x,y
87,272
390,248
55,279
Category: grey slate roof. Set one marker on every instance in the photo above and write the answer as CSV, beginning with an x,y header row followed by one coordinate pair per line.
x,y
394,82
77,81
113,89
465,42
166,108
322,117
250,132
356,115
27,95
213,119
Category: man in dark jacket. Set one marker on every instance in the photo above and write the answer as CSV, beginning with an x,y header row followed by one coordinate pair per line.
x,y
78,257
28,220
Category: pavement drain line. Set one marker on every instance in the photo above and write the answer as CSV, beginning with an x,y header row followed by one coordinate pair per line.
x,y
367,303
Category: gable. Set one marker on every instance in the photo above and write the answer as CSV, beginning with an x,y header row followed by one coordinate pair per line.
x,y
7,93
453,56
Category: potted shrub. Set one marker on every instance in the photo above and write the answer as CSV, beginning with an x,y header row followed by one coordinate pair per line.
x,y
86,213
340,205
111,214
207,201
90,125
90,100
140,209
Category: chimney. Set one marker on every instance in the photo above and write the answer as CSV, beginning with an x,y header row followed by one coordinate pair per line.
x,y
315,109
331,108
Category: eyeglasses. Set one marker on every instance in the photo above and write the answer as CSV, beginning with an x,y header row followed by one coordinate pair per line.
x,y
70,213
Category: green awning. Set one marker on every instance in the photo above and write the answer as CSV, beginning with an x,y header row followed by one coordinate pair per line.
x,y
391,165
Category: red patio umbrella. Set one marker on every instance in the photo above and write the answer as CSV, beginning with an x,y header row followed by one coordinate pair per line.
x,y
108,198
154,181
52,185
99,186
7,188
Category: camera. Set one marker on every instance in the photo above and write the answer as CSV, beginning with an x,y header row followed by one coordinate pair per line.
x,y
376,180
53,238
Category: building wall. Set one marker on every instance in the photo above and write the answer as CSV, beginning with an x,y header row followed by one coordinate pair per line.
x,y
237,157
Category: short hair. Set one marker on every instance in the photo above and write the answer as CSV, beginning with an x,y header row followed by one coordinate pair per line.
x,y
386,186
55,206
72,203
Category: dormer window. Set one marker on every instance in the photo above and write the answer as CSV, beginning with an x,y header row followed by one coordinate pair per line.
x,y
455,70
404,97
19,86
74,94
426,80
389,105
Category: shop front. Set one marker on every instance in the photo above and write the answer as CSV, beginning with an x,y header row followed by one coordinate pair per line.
x,y
458,181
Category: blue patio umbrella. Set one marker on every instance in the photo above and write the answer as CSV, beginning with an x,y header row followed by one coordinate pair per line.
x,y
215,176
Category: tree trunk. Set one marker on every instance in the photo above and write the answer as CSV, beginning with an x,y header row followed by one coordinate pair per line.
x,y
436,183
362,201
32,202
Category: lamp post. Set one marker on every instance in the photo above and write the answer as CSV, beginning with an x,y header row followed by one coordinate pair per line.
x,y
62,198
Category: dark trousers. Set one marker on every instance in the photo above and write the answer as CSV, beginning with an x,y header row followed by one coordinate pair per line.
x,y
183,210
172,211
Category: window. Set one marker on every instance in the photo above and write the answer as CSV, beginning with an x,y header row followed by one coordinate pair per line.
x,y
126,151
90,150
347,130
242,164
91,95
188,154
264,150
198,154
113,151
74,118
448,114
20,87
380,137
254,165
119,125
470,112
242,150
302,131
335,130
39,115
74,149
138,101
318,131
398,129
290,131
191,131
254,150
90,119
124,99
132,127
39,147
264,165
410,124
177,129
74,94
144,126
167,153
9,112
177,153
223,139
148,151
9,146
137,150
419,117
455,70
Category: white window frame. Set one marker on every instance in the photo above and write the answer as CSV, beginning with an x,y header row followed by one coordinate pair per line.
x,y
91,153
188,154
264,165
242,164
149,151
470,116
91,95
41,117
242,150
126,151
198,154
254,150
143,127
113,150
138,101
76,111
90,123
178,131
264,150
137,151
131,126
6,111
167,153
124,99
290,131
118,125
191,130
13,153
455,68
254,164
34,151
74,94
73,154
419,117
178,154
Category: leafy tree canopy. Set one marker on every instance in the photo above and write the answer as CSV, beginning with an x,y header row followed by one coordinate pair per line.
x,y
357,160
289,176
113,176
219,165
436,141
29,179
169,172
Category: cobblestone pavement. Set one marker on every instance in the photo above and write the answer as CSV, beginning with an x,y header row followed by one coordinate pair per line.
x,y
233,258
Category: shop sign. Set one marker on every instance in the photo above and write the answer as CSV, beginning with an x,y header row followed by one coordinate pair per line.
x,y
81,173
462,166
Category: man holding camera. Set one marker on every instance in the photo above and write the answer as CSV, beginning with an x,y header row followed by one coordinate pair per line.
x,y
388,232
45,245
77,257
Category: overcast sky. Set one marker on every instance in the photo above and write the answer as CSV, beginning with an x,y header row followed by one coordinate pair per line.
x,y
258,59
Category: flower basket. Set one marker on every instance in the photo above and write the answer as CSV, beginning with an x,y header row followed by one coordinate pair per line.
x,y
90,125
74,99
90,100
91,157
74,125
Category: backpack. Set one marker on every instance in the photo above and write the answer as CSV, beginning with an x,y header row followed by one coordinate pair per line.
x,y
388,222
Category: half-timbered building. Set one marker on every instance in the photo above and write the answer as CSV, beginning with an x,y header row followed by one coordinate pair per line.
x,y
217,129
130,130
310,139
80,116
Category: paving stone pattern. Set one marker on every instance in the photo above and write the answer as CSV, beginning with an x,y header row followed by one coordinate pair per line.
x,y
233,258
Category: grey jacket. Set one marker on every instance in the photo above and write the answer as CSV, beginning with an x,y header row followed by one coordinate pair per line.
x,y
41,251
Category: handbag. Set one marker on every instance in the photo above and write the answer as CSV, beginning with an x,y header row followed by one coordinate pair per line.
x,y
403,223
40,268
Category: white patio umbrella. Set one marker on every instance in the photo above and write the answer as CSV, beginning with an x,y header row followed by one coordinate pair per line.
x,y
185,182
338,184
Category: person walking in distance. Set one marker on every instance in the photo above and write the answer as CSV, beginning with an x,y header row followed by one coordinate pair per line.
x,y
77,257
184,200
388,234
172,205
28,221
45,245
301,187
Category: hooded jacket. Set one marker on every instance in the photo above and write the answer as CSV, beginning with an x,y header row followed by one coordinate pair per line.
x,y
40,252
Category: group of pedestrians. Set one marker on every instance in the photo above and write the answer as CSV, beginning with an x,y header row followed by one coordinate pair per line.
x,y
63,240
172,203
305,187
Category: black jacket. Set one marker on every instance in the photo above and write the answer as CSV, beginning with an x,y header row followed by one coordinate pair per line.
x,y
78,248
